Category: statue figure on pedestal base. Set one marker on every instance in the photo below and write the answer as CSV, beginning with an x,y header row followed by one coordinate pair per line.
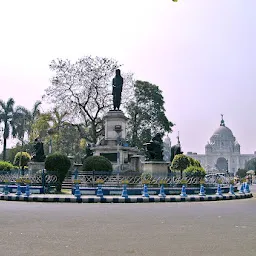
x,y
117,84
176,149
38,155
154,149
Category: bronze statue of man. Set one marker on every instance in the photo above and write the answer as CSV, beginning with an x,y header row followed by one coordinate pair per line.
x,y
38,155
117,85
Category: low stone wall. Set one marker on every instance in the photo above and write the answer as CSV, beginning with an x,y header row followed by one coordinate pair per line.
x,y
13,189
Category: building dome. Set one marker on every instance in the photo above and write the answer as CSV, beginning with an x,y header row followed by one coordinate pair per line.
x,y
208,148
222,133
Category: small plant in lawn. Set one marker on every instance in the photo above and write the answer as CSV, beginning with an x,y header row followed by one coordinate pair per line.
x,y
183,182
162,182
145,182
100,181
219,181
202,182
231,182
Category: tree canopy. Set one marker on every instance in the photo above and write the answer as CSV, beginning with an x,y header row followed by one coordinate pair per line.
x,y
191,166
84,88
12,119
146,114
81,93
251,164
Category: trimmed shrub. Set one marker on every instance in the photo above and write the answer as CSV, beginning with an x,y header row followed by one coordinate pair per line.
x,y
194,162
60,164
241,173
25,158
97,163
194,171
5,166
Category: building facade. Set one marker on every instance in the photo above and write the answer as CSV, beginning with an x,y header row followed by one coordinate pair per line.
x,y
222,152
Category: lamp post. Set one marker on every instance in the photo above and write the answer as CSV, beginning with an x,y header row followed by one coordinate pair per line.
x,y
118,130
51,131
21,149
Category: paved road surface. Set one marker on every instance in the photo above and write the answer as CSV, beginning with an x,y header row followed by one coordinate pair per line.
x,y
225,228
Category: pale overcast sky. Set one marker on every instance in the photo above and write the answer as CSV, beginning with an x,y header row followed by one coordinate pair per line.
x,y
201,53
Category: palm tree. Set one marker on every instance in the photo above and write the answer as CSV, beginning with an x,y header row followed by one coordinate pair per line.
x,y
58,119
12,121
30,117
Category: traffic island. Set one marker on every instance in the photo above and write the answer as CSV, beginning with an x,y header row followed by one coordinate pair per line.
x,y
119,199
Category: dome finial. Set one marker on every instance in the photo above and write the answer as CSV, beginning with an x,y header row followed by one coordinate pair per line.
x,y
178,138
222,122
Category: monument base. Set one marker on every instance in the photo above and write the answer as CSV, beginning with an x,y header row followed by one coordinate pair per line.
x,y
112,152
156,168
35,166
113,145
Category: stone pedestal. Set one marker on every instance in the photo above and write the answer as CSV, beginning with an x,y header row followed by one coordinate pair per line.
x,y
33,167
111,120
156,168
136,163
111,152
115,130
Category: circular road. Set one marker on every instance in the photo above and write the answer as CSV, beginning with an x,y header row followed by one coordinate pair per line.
x,y
225,228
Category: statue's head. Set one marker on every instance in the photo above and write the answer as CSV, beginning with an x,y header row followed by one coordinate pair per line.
x,y
37,139
157,137
118,72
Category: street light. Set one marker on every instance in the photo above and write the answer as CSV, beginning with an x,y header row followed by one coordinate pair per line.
x,y
51,131
118,130
22,142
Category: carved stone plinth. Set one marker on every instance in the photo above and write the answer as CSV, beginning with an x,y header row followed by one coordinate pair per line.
x,y
33,167
111,119
136,163
113,144
156,168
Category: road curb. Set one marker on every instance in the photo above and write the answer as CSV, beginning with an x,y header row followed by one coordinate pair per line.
x,y
118,199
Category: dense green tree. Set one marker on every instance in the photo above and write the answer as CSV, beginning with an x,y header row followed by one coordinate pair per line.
x,y
194,162
180,163
11,118
84,89
30,117
241,173
27,147
146,114
194,171
58,119
251,164
67,140
53,128
41,126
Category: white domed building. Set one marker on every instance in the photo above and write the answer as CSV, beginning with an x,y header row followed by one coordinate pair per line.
x,y
222,153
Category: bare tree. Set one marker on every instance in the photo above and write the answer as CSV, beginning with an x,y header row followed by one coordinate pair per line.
x,y
84,89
